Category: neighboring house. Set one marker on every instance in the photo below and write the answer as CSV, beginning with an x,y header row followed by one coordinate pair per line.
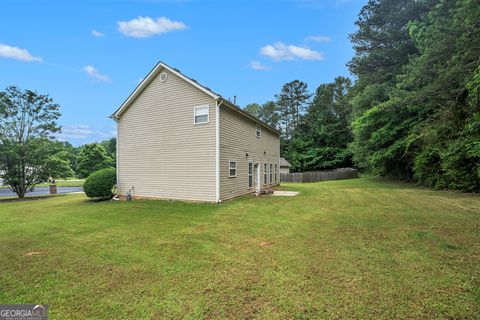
x,y
284,166
177,139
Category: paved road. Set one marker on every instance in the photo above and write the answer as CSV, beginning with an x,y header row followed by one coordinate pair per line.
x,y
5,192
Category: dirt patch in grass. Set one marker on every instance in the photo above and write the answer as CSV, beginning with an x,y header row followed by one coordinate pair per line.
x,y
32,253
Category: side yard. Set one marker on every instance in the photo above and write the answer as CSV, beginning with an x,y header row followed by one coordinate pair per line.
x,y
359,248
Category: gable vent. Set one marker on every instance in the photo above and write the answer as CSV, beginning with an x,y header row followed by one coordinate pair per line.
x,y
163,77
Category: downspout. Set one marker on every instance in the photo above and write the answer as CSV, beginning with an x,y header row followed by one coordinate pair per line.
x,y
116,156
217,151
117,160
278,161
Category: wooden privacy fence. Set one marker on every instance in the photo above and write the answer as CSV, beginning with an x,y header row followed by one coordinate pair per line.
x,y
315,176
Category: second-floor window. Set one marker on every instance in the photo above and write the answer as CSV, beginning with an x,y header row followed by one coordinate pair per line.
x,y
258,131
200,114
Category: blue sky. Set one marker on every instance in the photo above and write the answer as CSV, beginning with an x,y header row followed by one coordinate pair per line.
x,y
89,55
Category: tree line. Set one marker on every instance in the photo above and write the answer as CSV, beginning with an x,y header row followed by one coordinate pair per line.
x,y
412,111
29,151
91,157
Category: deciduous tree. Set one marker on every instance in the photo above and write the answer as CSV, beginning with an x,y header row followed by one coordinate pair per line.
x,y
28,153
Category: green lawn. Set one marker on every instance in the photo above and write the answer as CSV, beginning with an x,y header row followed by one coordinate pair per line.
x,y
363,249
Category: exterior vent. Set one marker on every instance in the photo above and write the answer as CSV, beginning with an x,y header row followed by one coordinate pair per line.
x,y
163,77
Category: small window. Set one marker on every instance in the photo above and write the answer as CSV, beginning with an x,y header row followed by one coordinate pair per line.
x,y
258,131
200,114
232,169
265,173
250,174
276,172
163,77
271,173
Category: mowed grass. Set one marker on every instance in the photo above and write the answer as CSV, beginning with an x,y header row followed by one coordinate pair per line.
x,y
349,249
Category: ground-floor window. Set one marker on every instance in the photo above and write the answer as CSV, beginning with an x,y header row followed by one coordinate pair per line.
x,y
265,173
271,173
232,169
276,172
250,174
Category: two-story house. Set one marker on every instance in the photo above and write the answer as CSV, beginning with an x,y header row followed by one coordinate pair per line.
x,y
179,140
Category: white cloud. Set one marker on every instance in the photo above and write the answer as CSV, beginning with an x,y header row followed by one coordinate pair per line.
x,y
319,38
95,74
280,51
257,65
82,133
17,53
97,34
143,27
106,134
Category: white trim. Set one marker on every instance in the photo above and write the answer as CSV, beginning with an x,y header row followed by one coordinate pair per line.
x,y
270,173
217,151
116,160
208,113
150,76
193,83
265,173
229,168
163,74
258,183
248,173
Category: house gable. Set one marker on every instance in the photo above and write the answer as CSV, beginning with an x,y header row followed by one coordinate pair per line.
x,y
161,152
150,77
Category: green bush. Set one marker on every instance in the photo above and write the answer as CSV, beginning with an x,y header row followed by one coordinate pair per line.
x,y
100,184
427,168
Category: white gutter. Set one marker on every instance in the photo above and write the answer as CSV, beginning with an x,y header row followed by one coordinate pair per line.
x,y
116,159
217,151
278,161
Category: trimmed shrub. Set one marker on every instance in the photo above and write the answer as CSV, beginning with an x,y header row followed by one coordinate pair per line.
x,y
100,184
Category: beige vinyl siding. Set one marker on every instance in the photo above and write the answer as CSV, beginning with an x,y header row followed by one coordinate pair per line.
x,y
161,152
284,169
237,139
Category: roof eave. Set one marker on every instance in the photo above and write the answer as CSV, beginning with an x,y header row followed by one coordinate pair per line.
x,y
248,115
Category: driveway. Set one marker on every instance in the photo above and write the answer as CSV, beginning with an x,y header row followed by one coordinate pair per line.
x,y
39,191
